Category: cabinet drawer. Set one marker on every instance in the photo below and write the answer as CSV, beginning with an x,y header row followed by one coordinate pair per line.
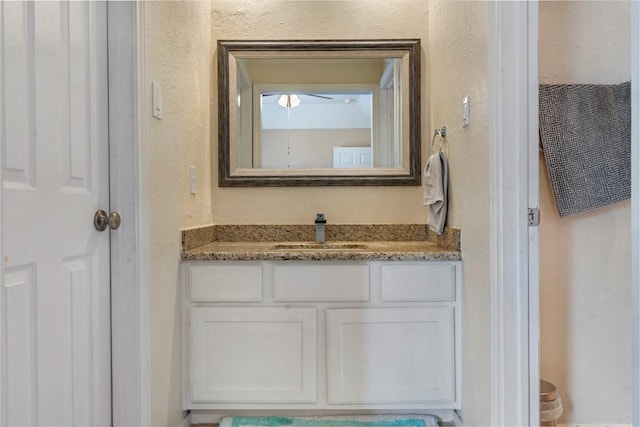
x,y
244,355
213,283
313,282
418,282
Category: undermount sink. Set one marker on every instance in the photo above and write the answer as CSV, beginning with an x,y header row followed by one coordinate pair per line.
x,y
319,246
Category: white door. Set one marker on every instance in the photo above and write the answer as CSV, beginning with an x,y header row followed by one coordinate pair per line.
x,y
533,197
635,208
352,157
55,296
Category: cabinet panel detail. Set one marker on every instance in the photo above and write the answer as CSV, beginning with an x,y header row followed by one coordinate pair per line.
x,y
242,355
390,355
225,283
418,282
313,282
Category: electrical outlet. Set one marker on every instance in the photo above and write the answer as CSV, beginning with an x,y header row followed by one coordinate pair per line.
x,y
193,184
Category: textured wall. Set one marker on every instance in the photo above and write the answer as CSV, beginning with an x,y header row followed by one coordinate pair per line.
x,y
179,35
177,45
458,67
585,260
457,40
279,19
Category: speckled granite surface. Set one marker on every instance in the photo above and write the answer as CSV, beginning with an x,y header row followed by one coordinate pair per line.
x,y
198,236
345,242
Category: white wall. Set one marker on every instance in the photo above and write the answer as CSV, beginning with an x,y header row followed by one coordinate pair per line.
x,y
177,57
458,54
308,148
344,19
585,260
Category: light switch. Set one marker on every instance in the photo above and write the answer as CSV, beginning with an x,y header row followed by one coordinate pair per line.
x,y
156,101
465,112
192,180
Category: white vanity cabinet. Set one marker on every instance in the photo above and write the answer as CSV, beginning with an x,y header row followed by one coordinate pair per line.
x,y
320,335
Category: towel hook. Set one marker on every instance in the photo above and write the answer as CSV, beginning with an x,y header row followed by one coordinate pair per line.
x,y
442,133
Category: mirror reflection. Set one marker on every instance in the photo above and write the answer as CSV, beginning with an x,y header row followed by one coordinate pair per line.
x,y
321,125
318,115
314,130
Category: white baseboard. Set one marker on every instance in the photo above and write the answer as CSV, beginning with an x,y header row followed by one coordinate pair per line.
x,y
457,421
186,422
593,425
205,417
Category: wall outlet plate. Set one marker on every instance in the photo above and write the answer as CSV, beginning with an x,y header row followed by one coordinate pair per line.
x,y
465,112
193,183
156,101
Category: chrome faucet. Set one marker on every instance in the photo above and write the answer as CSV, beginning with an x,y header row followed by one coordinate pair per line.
x,y
320,223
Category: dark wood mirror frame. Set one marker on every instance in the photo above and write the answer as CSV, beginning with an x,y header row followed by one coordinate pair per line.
x,y
409,176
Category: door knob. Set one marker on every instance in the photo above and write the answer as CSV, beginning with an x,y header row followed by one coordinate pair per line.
x,y
101,220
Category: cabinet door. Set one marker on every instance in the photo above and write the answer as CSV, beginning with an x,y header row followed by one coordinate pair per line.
x,y
242,355
390,355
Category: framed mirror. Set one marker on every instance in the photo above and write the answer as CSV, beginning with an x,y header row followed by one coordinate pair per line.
x,y
304,113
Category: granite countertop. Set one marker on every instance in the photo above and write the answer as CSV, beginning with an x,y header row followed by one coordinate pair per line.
x,y
353,251
375,242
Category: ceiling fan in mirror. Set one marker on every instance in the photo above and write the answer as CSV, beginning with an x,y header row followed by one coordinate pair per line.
x,y
291,100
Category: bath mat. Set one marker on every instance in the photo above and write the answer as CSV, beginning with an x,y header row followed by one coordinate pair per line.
x,y
337,421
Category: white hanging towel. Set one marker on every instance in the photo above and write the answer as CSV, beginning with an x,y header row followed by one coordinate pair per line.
x,y
435,181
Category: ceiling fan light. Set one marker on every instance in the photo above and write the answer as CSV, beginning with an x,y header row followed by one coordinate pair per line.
x,y
288,101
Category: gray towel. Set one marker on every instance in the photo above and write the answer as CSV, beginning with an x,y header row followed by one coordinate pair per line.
x,y
585,132
435,185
